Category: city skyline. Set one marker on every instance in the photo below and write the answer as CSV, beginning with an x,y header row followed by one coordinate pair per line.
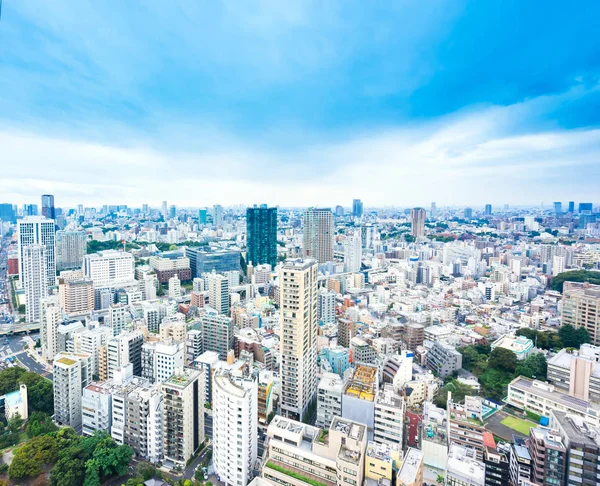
x,y
304,112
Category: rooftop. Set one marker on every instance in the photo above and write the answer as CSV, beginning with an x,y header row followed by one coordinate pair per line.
x,y
410,466
363,383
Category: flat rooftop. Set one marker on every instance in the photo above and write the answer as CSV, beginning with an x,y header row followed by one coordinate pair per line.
x,y
410,466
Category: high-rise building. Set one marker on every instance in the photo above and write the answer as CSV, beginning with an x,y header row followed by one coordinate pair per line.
x,y
468,213
125,348
488,209
353,252
357,208
581,308
161,359
205,260
218,293
50,319
465,424
35,230
48,210
339,211
7,213
390,409
261,229
76,296
417,218
70,249
496,460
585,208
202,216
235,422
319,232
71,373
217,216
433,210
183,415
558,208
571,207
217,333
109,268
298,327
326,311
548,456
329,399
34,280
163,210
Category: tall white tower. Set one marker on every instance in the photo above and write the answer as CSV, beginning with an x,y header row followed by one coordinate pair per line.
x,y
50,318
36,230
319,231
298,327
353,252
35,281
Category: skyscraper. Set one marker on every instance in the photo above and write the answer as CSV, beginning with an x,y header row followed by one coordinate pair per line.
x,y
319,230
35,230
433,210
48,210
261,228
50,319
353,251
164,209
7,213
70,249
488,209
558,208
218,293
217,216
417,217
357,208
35,281
468,213
571,207
298,347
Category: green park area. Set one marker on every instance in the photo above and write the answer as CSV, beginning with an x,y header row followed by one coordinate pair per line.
x,y
518,424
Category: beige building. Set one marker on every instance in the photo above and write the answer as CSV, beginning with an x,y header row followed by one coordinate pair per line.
x,y
380,461
176,330
298,329
417,220
76,296
581,308
50,319
299,453
183,416
72,373
319,231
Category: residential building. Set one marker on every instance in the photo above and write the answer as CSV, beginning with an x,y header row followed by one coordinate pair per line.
x,y
326,306
329,399
161,359
71,247
443,359
183,416
265,400
465,424
548,456
50,319
581,308
434,436
174,288
298,328
261,230
218,293
36,230
125,348
235,424
414,335
463,468
577,372
519,345
333,457
353,252
91,341
193,345
382,462
217,333
319,231
496,460
15,404
389,417
417,221
76,296
35,281
520,462
143,422
71,374
411,471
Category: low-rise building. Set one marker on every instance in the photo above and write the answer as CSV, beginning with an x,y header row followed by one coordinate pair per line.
x,y
443,359
411,471
521,346
463,468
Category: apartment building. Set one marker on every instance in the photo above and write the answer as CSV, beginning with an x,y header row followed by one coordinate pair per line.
x,y
463,468
577,372
580,307
125,348
390,409
76,296
411,471
329,399
443,359
548,456
217,333
465,424
72,373
520,462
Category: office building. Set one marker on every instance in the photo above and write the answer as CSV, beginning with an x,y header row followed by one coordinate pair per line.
x,y
444,359
217,333
35,281
48,210
109,268
353,252
488,209
329,399
326,310
50,319
235,422
581,308
548,456
71,374
390,409
298,328
558,208
118,318
571,207
261,230
319,231
202,216
463,468
417,219
125,348
71,247
206,260
170,264
218,293
7,213
183,416
358,401
163,210
35,230
329,457
217,216
161,359
357,208
577,373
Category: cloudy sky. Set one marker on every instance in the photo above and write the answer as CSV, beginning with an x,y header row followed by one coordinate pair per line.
x,y
299,103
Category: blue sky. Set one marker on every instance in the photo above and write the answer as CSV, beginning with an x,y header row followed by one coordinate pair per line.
x,y
299,102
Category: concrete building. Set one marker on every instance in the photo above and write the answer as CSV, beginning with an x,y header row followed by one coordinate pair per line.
x,y
362,352
318,234
411,471
465,424
548,456
71,375
389,417
298,328
326,309
193,345
382,462
206,259
581,308
265,398
15,403
50,319
329,399
358,401
125,348
496,461
217,333
71,247
443,359
109,268
35,281
520,462
39,231
91,341
183,416
577,372
434,436
76,296
463,468
353,252
261,230
161,359
218,293
333,457
417,222
171,264
414,335
519,345
235,422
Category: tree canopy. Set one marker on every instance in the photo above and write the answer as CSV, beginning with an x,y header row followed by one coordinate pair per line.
x,y
590,276
40,396
573,337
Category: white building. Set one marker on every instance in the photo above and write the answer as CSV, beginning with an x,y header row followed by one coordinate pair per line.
x,y
218,293
329,399
109,268
463,468
390,409
35,281
161,359
71,247
36,230
174,287
71,375
125,348
353,252
50,319
327,306
235,422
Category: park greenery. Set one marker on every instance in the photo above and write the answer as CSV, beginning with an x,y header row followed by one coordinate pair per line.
x,y
589,276
40,397
566,337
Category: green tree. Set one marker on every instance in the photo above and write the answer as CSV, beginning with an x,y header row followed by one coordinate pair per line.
x,y
573,337
92,473
535,365
503,359
145,470
39,424
459,392
66,438
31,456
590,276
68,471
15,424
527,332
